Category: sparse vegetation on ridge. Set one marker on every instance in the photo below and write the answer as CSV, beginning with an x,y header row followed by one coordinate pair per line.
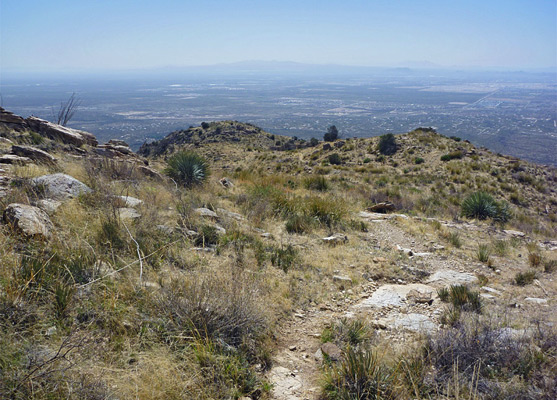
x,y
211,290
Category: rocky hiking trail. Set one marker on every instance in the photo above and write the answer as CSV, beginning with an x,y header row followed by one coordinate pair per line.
x,y
398,310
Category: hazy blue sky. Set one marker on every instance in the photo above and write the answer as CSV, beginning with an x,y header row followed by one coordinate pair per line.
x,y
115,34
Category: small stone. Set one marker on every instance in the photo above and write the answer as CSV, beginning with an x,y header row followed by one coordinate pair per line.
x,y
342,279
331,350
337,238
128,213
130,201
292,348
490,290
536,300
48,206
206,213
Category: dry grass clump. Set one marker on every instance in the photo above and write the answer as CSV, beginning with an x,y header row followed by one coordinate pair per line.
x,y
481,359
475,359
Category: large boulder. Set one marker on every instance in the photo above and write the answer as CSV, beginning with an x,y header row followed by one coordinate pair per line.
x,y
60,186
34,154
29,220
61,133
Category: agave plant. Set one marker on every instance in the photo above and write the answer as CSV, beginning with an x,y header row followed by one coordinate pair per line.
x,y
188,168
479,205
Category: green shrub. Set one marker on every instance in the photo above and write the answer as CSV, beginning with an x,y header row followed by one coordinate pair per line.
x,y
418,160
454,239
525,278
501,247
351,332
387,144
313,142
360,375
367,160
284,257
207,235
482,205
316,182
331,135
297,223
461,297
188,168
483,253
323,210
334,159
455,155
36,138
549,266
110,234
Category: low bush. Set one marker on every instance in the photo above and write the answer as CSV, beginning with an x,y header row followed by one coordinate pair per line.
x,y
351,332
454,239
334,159
207,235
461,297
225,311
418,160
455,155
387,144
482,205
549,266
316,182
525,278
484,360
298,224
325,211
188,168
483,253
284,257
359,375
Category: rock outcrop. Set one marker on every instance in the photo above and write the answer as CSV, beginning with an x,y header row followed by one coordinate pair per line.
x,y
9,120
29,220
61,133
13,159
34,154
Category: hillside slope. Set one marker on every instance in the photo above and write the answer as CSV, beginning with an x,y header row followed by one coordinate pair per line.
x,y
277,277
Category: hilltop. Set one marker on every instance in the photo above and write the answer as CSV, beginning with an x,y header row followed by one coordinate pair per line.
x,y
246,135
290,268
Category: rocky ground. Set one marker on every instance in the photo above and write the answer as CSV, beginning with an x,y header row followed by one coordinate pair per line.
x,y
385,269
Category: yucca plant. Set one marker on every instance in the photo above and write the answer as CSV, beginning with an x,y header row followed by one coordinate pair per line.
x,y
479,205
188,168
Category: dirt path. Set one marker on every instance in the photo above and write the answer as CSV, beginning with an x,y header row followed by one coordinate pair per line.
x,y
295,372
397,308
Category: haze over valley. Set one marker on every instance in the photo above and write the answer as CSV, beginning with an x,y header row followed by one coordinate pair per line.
x,y
512,113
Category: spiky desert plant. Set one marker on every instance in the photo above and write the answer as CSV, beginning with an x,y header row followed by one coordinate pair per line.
x,y
360,375
188,168
479,205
